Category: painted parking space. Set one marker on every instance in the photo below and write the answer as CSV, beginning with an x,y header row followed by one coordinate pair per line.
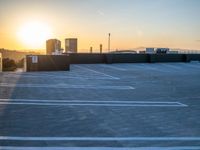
x,y
99,105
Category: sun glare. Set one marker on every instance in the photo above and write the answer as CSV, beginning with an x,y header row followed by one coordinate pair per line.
x,y
34,34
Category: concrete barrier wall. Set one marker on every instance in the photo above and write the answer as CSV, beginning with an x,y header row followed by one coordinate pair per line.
x,y
127,58
47,63
131,58
62,62
87,58
107,58
192,57
167,58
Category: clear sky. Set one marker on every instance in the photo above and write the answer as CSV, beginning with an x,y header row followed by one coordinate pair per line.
x,y
132,23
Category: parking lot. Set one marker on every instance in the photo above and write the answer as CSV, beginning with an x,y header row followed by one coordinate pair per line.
x,y
100,106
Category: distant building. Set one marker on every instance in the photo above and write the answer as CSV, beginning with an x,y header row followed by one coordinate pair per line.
x,y
53,46
124,51
150,51
172,52
71,45
142,52
162,50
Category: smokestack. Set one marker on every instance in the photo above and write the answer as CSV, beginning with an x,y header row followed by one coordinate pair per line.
x,y
109,42
101,47
91,49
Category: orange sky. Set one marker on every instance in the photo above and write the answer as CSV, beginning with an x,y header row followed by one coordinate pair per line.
x,y
131,23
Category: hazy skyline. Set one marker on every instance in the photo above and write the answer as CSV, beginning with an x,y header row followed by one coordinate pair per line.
x,y
132,23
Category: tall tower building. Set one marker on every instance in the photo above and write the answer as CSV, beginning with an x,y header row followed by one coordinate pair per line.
x,y
71,45
52,46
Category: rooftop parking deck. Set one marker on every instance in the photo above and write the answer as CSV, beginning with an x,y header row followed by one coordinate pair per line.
x,y
116,106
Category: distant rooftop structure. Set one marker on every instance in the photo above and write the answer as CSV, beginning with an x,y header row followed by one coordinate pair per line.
x,y
71,45
162,50
150,51
53,46
157,50
180,51
124,51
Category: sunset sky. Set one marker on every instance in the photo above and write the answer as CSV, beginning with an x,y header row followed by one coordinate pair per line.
x,y
26,24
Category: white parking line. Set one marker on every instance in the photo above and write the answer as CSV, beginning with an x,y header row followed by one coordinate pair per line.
x,y
182,104
67,86
90,103
113,67
21,138
86,101
58,76
101,148
85,68
82,104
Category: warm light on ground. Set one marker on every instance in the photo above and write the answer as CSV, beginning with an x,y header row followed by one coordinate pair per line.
x,y
34,34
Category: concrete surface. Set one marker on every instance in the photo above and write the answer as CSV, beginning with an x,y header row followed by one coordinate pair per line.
x,y
118,106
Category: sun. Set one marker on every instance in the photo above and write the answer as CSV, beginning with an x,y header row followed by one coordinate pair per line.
x,y
34,34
